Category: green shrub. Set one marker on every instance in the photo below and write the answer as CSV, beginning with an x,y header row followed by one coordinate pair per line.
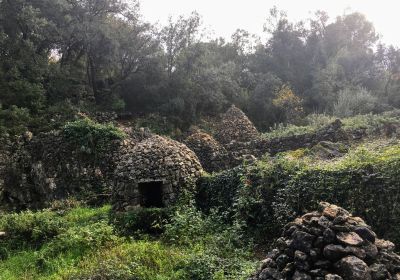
x,y
219,190
90,137
141,221
14,120
78,240
371,123
273,193
353,102
32,229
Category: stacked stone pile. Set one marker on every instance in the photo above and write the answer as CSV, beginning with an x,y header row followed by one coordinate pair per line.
x,y
105,117
212,155
330,244
156,159
236,126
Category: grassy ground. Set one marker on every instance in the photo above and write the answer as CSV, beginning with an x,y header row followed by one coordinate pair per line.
x,y
371,123
83,243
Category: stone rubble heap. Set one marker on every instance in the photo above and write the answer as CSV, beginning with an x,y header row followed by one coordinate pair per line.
x,y
236,126
330,244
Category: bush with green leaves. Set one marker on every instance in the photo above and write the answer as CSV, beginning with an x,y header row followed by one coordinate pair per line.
x,y
218,250
14,120
31,228
211,187
193,245
90,137
373,124
354,101
78,240
270,194
140,221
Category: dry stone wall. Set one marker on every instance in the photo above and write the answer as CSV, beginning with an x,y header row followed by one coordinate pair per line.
x,y
330,244
156,159
238,141
48,167
332,132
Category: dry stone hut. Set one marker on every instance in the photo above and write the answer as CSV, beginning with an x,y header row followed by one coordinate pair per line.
x,y
330,244
152,173
212,155
236,126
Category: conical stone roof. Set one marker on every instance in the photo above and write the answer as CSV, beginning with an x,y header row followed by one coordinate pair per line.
x,y
236,126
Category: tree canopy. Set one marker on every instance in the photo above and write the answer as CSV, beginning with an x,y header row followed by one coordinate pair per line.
x,y
57,55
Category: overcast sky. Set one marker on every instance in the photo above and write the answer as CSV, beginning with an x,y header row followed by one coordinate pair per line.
x,y
223,17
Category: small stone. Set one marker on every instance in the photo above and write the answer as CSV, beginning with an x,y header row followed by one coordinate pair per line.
x,y
334,252
318,272
302,241
273,254
309,216
365,233
281,243
340,228
288,270
268,262
301,276
330,211
282,260
269,272
371,251
384,244
339,220
356,221
352,268
329,236
379,272
356,251
314,254
319,242
325,264
349,238
300,261
333,277
300,256
324,222
290,231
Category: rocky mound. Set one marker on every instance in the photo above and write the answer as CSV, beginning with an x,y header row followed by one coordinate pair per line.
x,y
212,156
329,150
330,244
236,126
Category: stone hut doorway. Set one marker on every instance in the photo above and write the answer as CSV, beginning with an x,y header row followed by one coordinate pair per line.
x,y
151,194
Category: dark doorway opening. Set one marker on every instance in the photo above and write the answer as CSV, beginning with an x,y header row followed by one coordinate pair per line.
x,y
151,194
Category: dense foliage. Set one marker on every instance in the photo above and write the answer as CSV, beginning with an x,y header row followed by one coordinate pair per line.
x,y
64,56
90,137
274,191
77,242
